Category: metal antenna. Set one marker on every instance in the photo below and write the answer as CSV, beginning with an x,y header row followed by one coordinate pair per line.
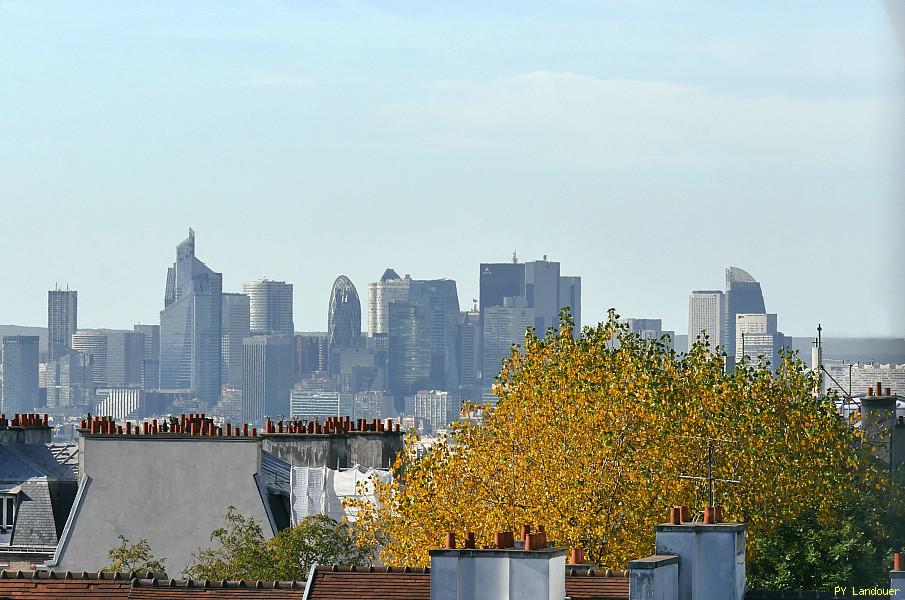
x,y
709,478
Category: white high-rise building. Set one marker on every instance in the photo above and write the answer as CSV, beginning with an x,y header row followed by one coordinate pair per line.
x,y
756,336
390,288
706,311
270,306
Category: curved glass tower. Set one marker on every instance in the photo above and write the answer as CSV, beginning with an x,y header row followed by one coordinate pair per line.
x,y
344,315
190,326
743,295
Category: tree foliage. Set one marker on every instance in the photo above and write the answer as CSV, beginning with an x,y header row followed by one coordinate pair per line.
x,y
127,557
590,436
241,552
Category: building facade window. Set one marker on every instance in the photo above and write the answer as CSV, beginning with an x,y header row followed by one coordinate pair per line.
x,y
7,511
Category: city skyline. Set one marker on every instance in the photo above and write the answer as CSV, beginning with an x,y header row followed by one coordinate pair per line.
x,y
679,326
371,136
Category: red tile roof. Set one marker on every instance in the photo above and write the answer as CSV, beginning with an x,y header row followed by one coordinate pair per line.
x,y
344,583
127,586
370,583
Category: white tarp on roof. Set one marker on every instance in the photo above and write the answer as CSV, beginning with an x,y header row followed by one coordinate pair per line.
x,y
321,491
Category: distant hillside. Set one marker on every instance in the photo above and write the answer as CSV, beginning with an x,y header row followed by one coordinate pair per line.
x,y
881,350
41,332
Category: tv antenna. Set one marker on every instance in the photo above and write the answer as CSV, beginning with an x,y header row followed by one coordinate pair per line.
x,y
709,478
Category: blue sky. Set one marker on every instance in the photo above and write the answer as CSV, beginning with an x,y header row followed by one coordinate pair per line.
x,y
644,145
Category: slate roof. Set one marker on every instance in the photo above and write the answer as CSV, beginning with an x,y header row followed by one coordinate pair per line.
x,y
90,586
19,462
40,475
367,583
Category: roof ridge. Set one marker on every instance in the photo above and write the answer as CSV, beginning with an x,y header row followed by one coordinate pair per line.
x,y
149,579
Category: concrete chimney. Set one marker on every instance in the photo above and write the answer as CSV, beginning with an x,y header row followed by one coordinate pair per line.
x,y
878,420
498,574
897,575
693,561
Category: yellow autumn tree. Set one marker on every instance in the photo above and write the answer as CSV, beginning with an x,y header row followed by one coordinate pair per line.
x,y
591,437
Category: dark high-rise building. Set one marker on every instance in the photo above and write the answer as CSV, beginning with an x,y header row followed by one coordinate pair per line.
x,y
270,305
20,374
499,281
236,327
310,354
190,325
267,378
470,355
150,366
743,295
409,348
440,302
62,321
343,315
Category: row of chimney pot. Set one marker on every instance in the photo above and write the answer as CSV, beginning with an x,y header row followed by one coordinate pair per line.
x,y
197,424
878,390
24,420
331,425
680,514
505,539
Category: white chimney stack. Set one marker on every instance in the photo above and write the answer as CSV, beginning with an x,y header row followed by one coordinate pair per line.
x,y
693,561
532,572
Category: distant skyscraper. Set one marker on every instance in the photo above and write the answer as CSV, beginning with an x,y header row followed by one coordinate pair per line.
x,y
310,354
757,336
62,321
470,354
316,405
343,315
503,326
190,325
267,377
649,329
116,356
706,314
150,366
236,327
499,281
20,374
390,288
743,295
270,305
70,382
570,295
409,348
436,409
440,301
542,293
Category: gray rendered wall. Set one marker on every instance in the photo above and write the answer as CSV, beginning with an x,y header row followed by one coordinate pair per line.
x,y
173,492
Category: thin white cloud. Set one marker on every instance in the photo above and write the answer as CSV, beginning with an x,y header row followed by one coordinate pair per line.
x,y
277,81
585,121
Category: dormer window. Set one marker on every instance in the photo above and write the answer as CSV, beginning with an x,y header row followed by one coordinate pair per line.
x,y
7,511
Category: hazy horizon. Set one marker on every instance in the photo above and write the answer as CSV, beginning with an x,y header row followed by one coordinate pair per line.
x,y
644,146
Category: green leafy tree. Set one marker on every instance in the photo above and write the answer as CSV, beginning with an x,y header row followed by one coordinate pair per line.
x,y
810,553
316,540
134,557
241,552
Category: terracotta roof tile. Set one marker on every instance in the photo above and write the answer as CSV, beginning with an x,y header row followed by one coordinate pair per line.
x,y
340,583
126,586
